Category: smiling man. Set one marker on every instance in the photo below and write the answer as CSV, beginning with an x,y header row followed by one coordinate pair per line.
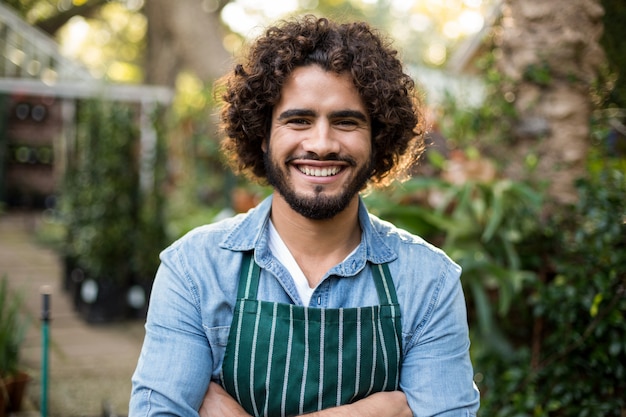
x,y
308,304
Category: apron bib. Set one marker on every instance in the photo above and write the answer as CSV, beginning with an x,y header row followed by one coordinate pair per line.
x,y
285,360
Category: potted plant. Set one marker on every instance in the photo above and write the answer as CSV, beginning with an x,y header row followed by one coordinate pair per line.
x,y
12,328
100,202
112,208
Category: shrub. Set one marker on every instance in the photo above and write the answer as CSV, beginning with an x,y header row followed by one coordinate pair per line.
x,y
572,358
12,329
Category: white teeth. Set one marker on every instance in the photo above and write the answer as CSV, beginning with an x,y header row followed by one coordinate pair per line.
x,y
319,172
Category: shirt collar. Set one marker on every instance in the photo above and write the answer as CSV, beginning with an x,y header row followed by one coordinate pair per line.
x,y
251,233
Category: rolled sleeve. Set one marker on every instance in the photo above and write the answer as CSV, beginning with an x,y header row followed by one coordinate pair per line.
x,y
175,365
437,374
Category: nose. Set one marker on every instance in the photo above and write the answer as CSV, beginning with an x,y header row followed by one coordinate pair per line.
x,y
321,140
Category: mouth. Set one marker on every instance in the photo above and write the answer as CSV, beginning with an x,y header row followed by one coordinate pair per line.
x,y
319,171
323,170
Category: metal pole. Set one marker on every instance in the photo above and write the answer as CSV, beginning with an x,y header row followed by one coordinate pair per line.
x,y
45,336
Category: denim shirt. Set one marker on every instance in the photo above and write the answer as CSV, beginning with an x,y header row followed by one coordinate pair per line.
x,y
194,293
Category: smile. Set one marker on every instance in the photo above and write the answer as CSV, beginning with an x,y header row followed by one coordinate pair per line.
x,y
319,172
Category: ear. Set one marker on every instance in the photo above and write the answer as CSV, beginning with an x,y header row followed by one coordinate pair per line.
x,y
264,145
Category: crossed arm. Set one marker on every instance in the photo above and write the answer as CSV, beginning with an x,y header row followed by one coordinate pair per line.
x,y
217,403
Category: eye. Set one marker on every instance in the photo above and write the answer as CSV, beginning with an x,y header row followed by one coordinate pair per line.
x,y
298,122
347,124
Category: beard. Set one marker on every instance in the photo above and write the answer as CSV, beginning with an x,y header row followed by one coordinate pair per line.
x,y
320,206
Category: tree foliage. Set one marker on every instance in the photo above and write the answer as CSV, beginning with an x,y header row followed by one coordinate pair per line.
x,y
49,15
570,357
615,48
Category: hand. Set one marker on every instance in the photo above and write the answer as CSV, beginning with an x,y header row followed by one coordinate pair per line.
x,y
380,404
217,403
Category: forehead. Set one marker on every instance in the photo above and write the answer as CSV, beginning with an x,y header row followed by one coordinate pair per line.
x,y
311,87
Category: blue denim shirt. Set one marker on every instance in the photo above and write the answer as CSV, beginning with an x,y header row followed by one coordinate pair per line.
x,y
196,285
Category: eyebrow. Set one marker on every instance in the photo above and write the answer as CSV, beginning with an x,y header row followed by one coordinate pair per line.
x,y
355,114
296,112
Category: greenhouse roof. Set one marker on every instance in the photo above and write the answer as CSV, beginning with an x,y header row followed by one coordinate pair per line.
x,y
31,63
29,53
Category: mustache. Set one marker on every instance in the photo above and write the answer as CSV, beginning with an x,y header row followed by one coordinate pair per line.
x,y
315,157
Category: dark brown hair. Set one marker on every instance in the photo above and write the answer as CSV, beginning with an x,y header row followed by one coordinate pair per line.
x,y
251,91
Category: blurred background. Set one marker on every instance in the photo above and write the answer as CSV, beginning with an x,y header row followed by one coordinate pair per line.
x,y
109,151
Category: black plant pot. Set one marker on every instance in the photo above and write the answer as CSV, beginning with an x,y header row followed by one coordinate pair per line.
x,y
102,301
73,277
138,298
69,265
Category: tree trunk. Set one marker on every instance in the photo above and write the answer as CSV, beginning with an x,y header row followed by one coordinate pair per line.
x,y
550,54
184,35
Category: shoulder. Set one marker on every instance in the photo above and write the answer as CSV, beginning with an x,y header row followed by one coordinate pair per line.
x,y
206,235
212,232
411,249
426,279
200,253
239,232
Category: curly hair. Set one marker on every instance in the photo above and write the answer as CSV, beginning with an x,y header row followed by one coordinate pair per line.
x,y
251,91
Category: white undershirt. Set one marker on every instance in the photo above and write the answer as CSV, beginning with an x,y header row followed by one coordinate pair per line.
x,y
284,256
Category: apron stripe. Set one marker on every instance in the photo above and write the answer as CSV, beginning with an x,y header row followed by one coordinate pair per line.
x,y
397,336
283,402
381,337
374,353
253,357
236,370
340,360
359,354
320,387
306,360
270,355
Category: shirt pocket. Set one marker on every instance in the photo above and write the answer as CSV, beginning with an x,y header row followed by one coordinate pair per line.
x,y
218,339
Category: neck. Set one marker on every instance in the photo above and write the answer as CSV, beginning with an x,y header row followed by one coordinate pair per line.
x,y
317,245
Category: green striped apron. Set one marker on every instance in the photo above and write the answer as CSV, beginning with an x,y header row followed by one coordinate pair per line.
x,y
285,360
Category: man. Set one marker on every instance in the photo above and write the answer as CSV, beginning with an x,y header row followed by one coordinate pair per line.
x,y
307,303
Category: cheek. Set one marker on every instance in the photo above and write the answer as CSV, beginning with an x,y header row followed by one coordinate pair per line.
x,y
360,145
282,141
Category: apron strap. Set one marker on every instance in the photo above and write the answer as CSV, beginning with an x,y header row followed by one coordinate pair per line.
x,y
384,284
248,277
250,273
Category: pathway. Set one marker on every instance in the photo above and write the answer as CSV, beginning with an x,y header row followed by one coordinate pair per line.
x,y
90,365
